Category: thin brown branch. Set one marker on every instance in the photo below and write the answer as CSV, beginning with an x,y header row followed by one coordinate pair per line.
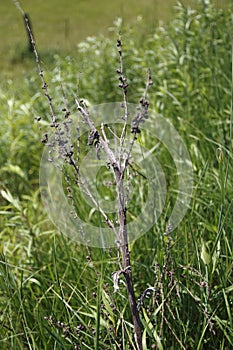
x,y
122,210
123,85
41,73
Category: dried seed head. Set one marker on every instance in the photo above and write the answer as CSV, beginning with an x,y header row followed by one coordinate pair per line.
x,y
119,44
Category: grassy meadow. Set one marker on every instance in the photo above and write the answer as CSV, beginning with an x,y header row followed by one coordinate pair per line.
x,y
60,24
57,294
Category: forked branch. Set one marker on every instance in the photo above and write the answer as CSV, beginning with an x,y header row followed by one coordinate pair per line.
x,y
118,163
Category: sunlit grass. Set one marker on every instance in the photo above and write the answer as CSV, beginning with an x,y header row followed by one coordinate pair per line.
x,y
60,25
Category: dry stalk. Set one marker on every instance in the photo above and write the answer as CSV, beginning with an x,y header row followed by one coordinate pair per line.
x,y
118,164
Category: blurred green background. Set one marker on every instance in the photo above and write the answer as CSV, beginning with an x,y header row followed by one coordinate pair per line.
x,y
60,24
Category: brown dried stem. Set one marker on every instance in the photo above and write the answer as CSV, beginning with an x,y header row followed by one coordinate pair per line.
x,y
116,163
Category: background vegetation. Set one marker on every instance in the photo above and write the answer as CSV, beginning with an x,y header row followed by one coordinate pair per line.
x,y
56,294
60,24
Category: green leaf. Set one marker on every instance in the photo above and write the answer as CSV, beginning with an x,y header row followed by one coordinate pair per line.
x,y
205,256
216,255
150,329
144,346
107,303
14,201
15,169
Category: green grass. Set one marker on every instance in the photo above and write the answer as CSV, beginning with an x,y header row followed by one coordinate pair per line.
x,y
60,25
56,294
